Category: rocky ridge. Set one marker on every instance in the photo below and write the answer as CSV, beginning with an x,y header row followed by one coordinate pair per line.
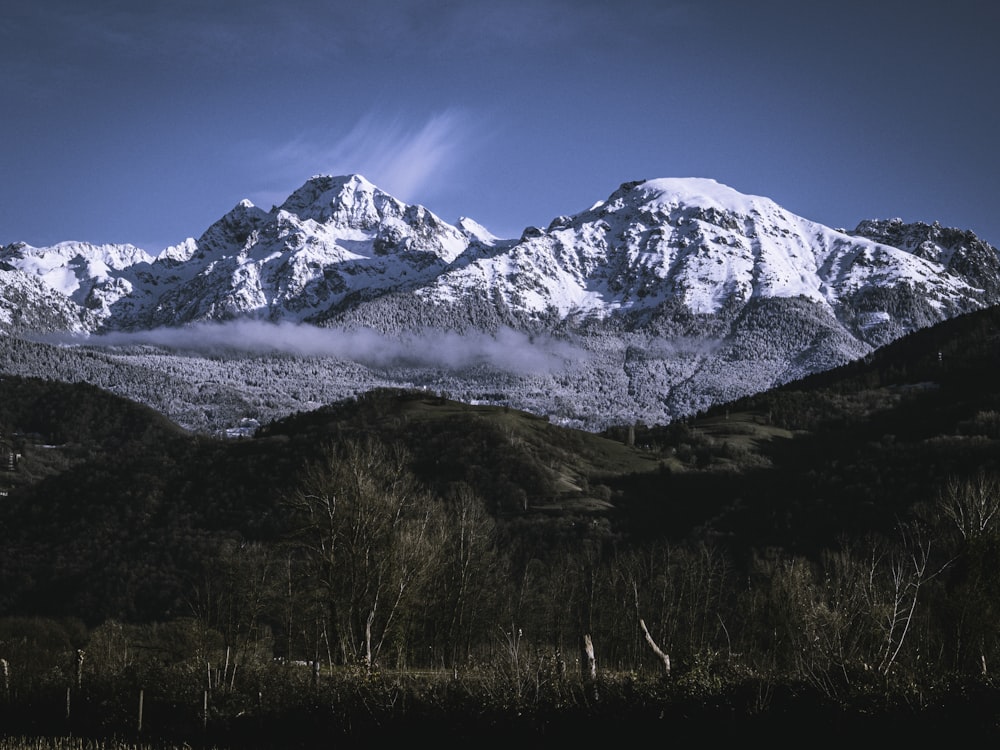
x,y
665,297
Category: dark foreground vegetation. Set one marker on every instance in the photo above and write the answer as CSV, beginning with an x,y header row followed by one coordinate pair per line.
x,y
398,566
285,707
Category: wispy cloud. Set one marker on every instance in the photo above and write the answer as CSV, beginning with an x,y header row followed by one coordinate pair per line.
x,y
412,161
507,350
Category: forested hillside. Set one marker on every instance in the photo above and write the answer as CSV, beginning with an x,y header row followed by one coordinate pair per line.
x,y
834,540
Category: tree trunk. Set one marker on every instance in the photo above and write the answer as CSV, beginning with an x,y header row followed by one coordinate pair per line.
x,y
588,664
664,657
79,667
368,641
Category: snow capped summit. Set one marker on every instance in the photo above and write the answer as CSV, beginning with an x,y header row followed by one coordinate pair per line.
x,y
333,239
350,201
704,246
476,231
680,291
692,243
339,240
353,209
72,268
234,229
701,192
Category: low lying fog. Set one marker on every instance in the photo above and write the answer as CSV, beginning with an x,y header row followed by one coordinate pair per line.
x,y
507,350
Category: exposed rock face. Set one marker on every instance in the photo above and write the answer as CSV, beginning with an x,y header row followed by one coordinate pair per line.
x,y
674,293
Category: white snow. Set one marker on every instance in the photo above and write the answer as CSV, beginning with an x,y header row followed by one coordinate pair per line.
x,y
64,267
704,193
690,238
476,230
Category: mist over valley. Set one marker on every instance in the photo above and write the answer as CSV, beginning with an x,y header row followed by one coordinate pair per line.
x,y
662,299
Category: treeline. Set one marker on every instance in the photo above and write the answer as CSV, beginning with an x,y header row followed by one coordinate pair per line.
x,y
384,604
131,519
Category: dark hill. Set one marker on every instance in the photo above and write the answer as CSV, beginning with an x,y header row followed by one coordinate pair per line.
x,y
116,512
847,452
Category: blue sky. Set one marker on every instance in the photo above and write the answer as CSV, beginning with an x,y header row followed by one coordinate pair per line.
x,y
144,122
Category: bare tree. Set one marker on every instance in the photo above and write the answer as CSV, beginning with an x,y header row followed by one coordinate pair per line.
x,y
972,504
370,532
660,653
588,666
469,561
970,508
895,577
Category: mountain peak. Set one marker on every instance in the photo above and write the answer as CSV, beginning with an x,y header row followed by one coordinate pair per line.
x,y
350,200
476,231
325,183
668,198
702,291
700,191
234,227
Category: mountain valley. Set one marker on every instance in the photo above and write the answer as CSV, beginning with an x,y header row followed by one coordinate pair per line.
x,y
665,298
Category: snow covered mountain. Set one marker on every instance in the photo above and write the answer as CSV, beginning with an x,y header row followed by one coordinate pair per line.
x,y
331,239
668,296
702,248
